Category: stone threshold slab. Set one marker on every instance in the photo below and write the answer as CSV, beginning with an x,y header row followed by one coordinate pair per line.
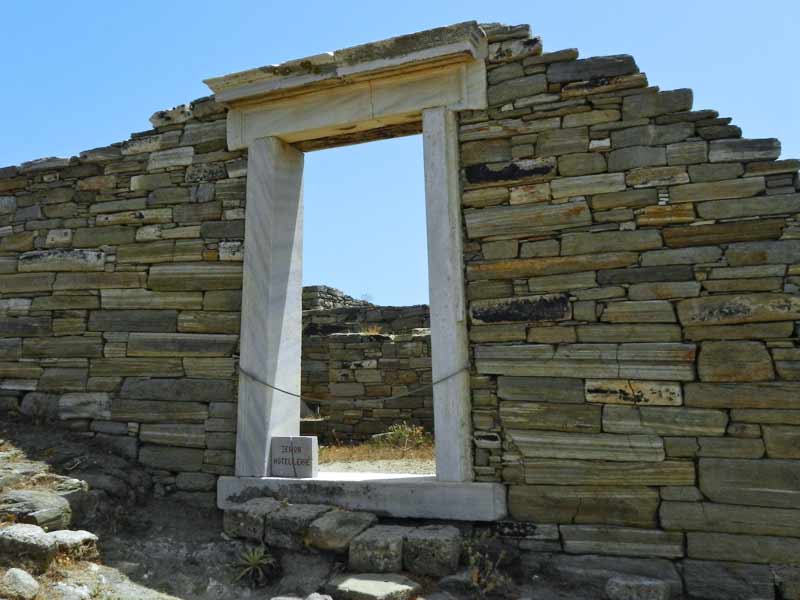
x,y
390,495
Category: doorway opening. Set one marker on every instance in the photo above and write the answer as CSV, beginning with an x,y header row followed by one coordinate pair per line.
x,y
366,347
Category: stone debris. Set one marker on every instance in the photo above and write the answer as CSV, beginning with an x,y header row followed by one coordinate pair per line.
x,y
368,586
43,508
26,546
17,584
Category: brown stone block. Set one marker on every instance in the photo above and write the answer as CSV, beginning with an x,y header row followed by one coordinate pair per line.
x,y
587,446
69,346
770,395
132,367
537,267
598,473
782,441
734,361
181,344
764,482
170,434
550,416
25,326
729,518
744,548
20,370
630,506
630,392
589,539
723,233
169,458
195,277
149,411
133,320
26,282
733,309
527,219
209,322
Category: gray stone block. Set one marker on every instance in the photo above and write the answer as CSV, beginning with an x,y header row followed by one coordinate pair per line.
x,y
432,550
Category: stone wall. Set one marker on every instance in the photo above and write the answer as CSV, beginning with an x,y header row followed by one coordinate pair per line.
x,y
633,296
320,297
120,291
366,319
352,374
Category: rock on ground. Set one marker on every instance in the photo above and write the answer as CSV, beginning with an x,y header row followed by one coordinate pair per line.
x,y
372,586
432,550
42,508
24,545
336,529
17,584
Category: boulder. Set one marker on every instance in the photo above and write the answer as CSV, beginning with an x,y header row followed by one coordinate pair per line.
x,y
45,509
27,546
77,544
247,520
17,584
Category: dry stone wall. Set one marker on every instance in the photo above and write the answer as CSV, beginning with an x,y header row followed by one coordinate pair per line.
x,y
120,291
355,375
632,276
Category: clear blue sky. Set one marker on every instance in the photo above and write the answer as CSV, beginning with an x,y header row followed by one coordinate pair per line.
x,y
78,75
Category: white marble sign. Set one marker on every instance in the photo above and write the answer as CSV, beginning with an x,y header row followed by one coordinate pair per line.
x,y
295,456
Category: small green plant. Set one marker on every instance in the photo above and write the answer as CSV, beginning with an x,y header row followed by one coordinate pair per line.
x,y
484,567
256,566
404,437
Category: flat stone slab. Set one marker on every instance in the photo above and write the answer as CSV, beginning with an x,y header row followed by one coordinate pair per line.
x,y
398,495
372,586
335,530
637,588
24,545
45,509
77,544
286,527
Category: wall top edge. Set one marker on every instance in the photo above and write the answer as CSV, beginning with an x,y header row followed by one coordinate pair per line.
x,y
453,43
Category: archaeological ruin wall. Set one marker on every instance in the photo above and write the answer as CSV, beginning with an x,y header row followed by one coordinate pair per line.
x,y
631,267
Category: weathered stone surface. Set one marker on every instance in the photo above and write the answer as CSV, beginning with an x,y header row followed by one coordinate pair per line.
x,y
181,344
122,299
78,544
647,311
133,320
743,548
636,106
379,549
549,266
432,550
540,389
597,570
743,150
62,260
651,135
557,142
782,441
627,391
525,218
681,256
517,88
759,253
626,199
777,395
630,506
46,509
334,530
621,541
246,520
664,420
84,405
610,241
550,416
69,346
99,281
551,307
734,361
718,190
372,586
637,588
733,309
645,275
560,283
750,207
24,545
727,580
195,277
587,185
687,153
170,434
591,68
612,473
17,584
286,527
723,233
174,157
656,176
581,164
634,332
17,242
632,157
148,411
658,291
729,518
168,458
774,483
178,390
585,446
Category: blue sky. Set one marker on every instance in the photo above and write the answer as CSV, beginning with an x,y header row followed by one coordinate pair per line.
x,y
78,75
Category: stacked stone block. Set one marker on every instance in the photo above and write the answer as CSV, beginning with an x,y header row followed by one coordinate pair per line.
x,y
354,376
120,292
631,269
321,297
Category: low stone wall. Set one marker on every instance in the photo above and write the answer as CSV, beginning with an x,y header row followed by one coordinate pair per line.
x,y
352,373
120,281
366,319
322,297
